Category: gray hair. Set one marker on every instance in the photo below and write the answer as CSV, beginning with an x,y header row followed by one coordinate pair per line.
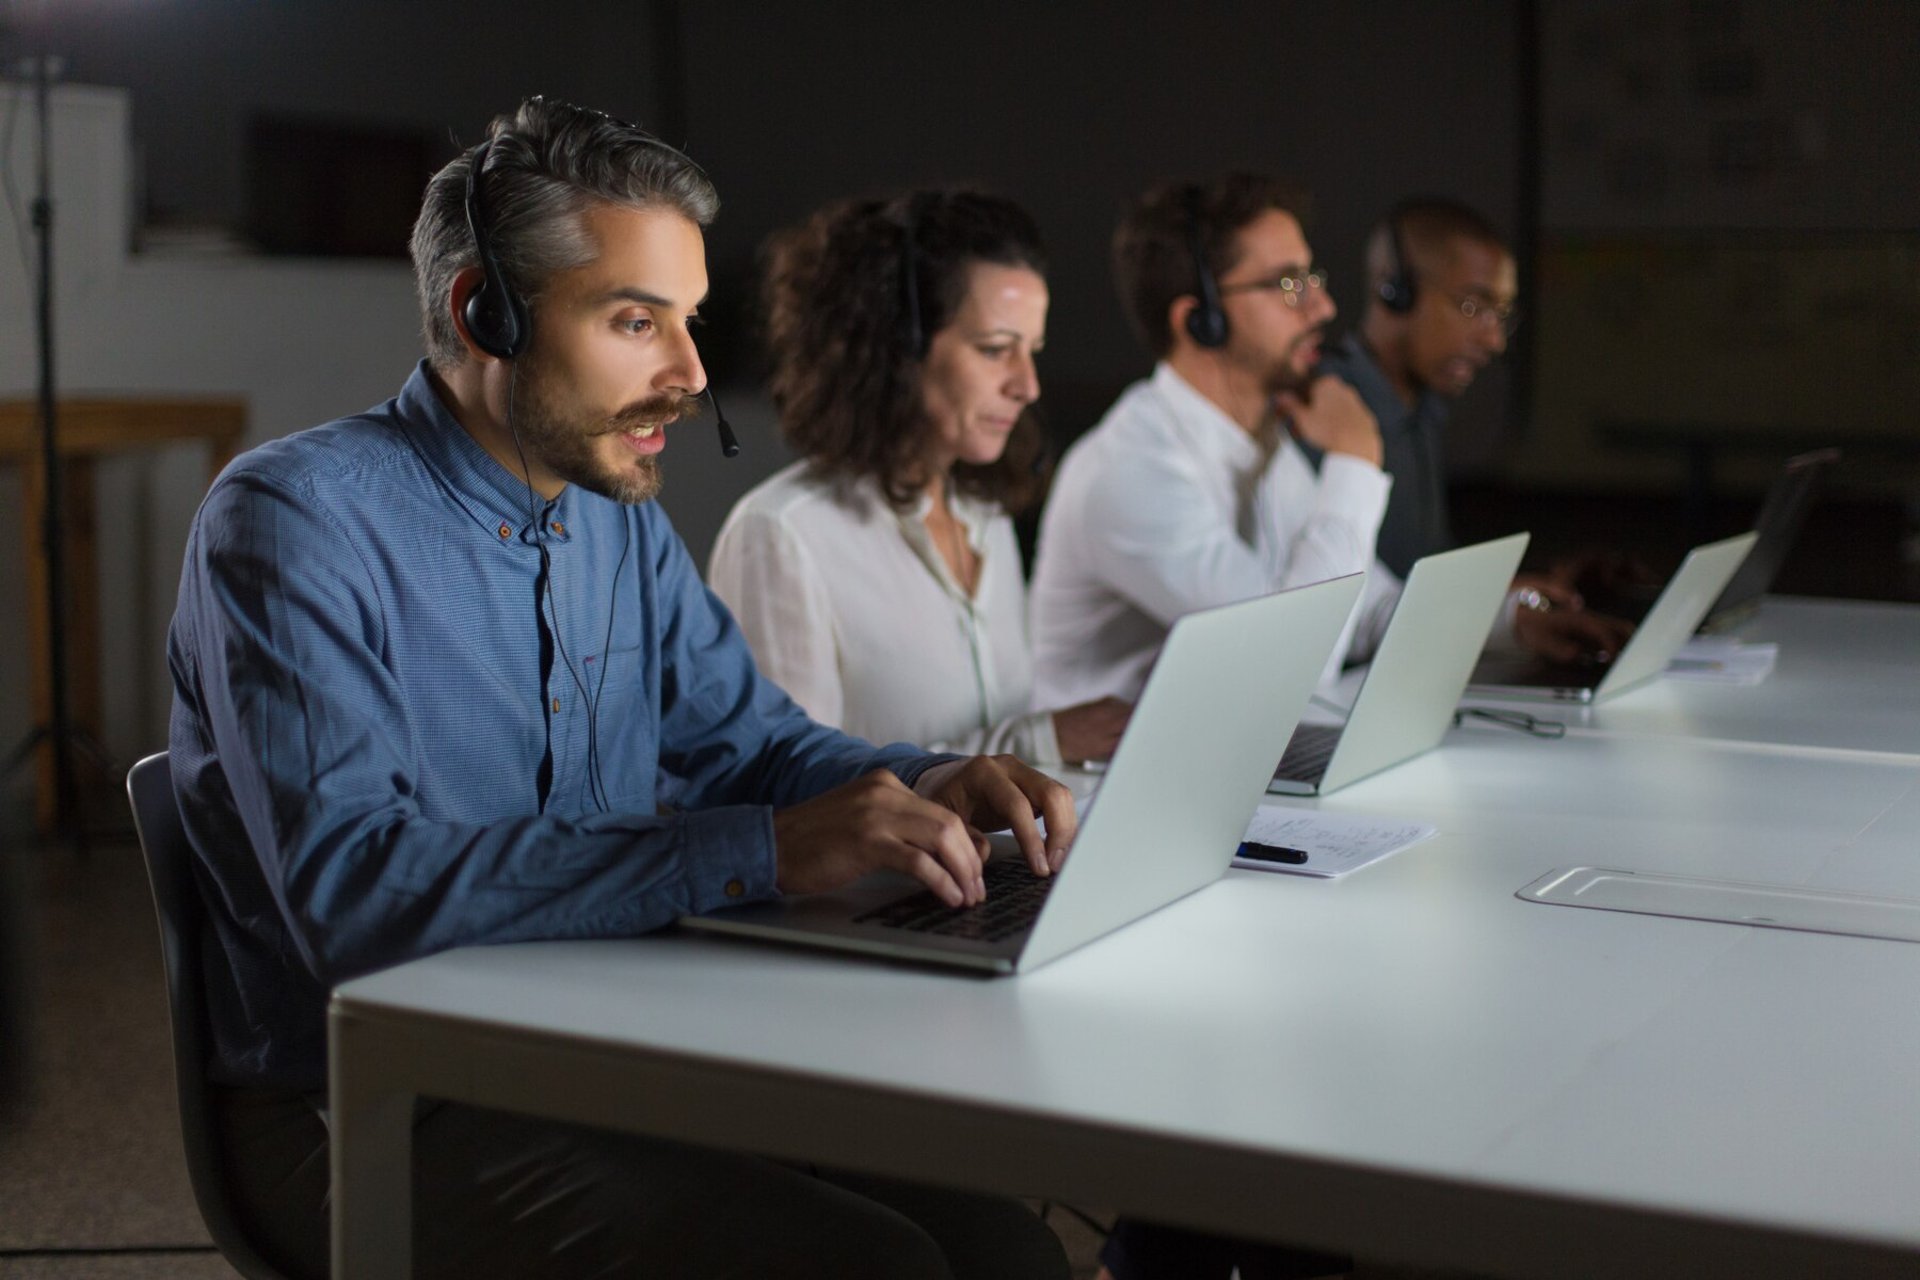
x,y
548,163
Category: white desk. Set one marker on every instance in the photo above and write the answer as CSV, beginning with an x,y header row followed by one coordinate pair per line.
x,y
1847,679
1411,1059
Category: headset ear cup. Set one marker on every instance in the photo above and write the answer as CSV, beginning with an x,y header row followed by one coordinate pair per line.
x,y
496,320
1399,291
1396,294
1207,324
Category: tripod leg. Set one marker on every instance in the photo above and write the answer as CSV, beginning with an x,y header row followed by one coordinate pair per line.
x,y
24,752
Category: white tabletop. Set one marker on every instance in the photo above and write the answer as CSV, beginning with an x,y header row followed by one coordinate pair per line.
x,y
1847,678
1410,1059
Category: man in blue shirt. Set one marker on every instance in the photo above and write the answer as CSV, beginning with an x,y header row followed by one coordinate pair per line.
x,y
445,676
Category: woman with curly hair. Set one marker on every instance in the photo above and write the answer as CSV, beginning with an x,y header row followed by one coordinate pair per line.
x,y
877,580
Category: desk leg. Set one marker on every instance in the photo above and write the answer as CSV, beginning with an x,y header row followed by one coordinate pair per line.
x,y
371,1139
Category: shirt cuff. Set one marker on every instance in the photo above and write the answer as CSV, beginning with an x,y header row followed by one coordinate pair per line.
x,y
1040,740
1355,488
727,857
1501,637
936,774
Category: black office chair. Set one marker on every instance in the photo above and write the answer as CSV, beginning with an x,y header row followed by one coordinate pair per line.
x,y
176,899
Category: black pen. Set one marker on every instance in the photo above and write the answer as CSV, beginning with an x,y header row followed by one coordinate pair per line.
x,y
1258,852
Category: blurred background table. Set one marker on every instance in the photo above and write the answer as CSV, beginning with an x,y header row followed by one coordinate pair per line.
x,y
90,428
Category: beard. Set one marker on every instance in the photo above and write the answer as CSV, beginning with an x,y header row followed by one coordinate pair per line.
x,y
568,444
1277,373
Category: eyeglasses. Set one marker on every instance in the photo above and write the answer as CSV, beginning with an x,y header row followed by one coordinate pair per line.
x,y
1480,311
1291,288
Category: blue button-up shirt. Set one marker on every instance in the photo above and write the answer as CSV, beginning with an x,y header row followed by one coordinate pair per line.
x,y
394,731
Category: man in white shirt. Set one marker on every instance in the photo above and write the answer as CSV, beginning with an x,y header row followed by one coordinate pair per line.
x,y
1192,492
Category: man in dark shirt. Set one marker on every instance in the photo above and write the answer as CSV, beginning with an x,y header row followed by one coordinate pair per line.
x,y
445,676
1440,304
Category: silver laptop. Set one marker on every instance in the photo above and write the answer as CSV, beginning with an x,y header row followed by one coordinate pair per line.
x,y
1782,513
1682,604
1408,695
1224,696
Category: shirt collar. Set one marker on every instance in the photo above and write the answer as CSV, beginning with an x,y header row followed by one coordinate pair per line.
x,y
1362,369
972,512
1206,425
492,495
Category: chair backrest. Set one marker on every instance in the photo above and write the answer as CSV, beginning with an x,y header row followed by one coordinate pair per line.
x,y
176,899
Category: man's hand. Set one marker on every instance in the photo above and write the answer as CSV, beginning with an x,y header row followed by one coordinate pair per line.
x,y
1091,730
1543,591
1333,418
1553,621
992,792
1604,573
872,822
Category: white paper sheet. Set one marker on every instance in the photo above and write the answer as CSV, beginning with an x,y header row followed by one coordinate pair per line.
x,y
1335,843
1719,660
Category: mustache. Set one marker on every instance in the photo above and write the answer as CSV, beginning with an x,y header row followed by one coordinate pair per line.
x,y
659,410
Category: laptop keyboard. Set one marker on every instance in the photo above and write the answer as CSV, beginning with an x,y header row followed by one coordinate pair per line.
x,y
1014,897
1307,754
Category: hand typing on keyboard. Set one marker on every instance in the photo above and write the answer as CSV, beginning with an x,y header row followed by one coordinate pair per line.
x,y
932,832
994,793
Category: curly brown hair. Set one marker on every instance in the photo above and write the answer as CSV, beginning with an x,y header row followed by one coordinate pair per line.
x,y
847,327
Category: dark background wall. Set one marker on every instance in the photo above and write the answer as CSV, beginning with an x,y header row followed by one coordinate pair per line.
x,y
199,70
1072,107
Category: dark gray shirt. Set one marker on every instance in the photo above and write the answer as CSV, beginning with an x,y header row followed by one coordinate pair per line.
x,y
1413,452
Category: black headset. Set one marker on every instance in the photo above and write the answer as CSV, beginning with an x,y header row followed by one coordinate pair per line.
x,y
1207,322
1399,290
497,318
912,329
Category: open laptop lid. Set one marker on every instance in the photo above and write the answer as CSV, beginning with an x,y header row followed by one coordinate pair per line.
x,y
1684,601
1703,575
1439,626
1782,513
1212,722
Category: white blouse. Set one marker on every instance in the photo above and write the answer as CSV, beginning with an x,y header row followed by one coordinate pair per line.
x,y
850,608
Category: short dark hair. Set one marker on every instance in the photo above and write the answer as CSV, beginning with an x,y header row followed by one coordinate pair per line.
x,y
547,164
1426,225
846,371
1153,245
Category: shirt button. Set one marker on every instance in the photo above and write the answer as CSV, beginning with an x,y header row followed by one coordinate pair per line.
x,y
506,530
735,888
559,528
556,706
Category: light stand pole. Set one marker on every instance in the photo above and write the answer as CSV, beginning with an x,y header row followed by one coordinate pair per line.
x,y
58,731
